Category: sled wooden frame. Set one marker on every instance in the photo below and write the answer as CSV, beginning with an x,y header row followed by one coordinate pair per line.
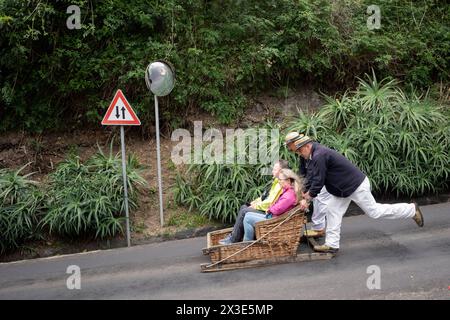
x,y
277,241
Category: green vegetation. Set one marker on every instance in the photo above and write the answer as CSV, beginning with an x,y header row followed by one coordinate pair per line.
x,y
88,198
186,220
80,199
21,205
401,141
223,51
218,190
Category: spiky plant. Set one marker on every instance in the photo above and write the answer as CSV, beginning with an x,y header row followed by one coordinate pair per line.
x,y
401,141
87,198
21,204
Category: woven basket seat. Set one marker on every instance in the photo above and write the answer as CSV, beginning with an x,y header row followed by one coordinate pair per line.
x,y
276,237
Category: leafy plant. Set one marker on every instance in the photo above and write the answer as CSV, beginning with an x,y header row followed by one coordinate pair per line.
x,y
21,205
87,198
218,190
400,140
223,53
397,138
187,220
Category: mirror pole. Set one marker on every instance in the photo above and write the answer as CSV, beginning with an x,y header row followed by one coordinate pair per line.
x,y
158,155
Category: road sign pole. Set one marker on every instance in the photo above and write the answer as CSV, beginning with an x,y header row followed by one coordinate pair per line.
x,y
125,187
129,118
158,155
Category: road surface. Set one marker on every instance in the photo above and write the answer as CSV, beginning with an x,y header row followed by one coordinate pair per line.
x,y
414,263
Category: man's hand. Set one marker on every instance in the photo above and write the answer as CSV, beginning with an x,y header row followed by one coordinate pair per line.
x,y
306,196
304,204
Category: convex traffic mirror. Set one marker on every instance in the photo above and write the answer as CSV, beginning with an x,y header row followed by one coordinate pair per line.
x,y
160,78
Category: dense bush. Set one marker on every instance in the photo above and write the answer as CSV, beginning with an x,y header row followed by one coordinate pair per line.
x,y
80,199
218,190
222,51
21,205
87,198
401,141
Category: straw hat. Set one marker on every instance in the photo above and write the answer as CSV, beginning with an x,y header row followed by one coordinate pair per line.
x,y
298,139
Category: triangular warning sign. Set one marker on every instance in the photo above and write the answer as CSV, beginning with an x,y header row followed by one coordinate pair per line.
x,y
120,112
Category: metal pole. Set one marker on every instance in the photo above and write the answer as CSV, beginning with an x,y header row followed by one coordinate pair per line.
x,y
158,155
125,187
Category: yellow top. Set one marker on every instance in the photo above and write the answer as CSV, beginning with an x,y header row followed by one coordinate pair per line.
x,y
274,193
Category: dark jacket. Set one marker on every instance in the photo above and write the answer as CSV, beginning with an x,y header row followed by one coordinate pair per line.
x,y
331,169
303,172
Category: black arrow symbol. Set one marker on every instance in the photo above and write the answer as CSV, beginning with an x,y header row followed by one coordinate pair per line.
x,y
117,112
123,112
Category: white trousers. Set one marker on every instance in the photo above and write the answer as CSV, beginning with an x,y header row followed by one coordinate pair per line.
x,y
320,210
336,208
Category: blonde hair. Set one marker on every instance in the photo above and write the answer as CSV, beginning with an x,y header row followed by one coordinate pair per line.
x,y
295,179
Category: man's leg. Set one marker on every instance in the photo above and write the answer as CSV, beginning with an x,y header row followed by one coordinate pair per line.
x,y
320,210
335,208
249,224
365,200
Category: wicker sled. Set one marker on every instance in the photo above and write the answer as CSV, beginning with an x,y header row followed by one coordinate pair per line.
x,y
277,241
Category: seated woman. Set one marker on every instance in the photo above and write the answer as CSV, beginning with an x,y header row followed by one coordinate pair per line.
x,y
291,186
260,205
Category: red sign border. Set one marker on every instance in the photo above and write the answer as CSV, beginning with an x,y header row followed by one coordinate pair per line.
x,y
134,122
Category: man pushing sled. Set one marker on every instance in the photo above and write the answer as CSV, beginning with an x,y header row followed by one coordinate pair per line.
x,y
331,173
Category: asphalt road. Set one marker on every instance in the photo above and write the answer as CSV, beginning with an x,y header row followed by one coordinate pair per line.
x,y
414,263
